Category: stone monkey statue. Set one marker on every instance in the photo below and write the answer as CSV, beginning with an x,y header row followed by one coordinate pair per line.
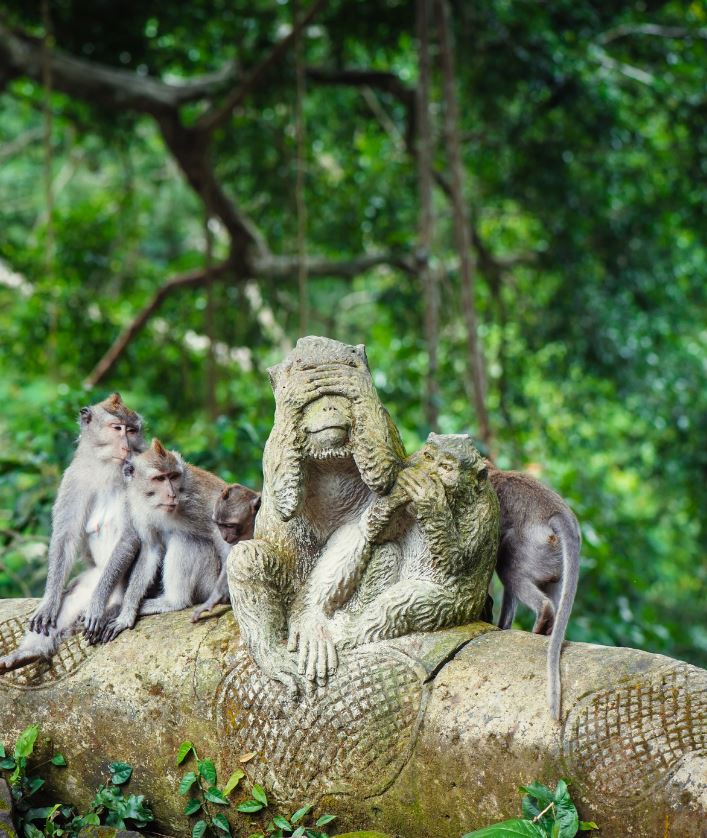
x,y
419,559
333,456
538,562
170,504
89,515
332,450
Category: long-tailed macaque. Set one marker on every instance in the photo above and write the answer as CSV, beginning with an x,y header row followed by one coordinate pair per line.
x,y
170,504
538,561
234,515
88,518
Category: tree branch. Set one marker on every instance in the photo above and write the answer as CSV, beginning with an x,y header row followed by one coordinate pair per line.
x,y
21,55
286,267
654,29
194,279
216,116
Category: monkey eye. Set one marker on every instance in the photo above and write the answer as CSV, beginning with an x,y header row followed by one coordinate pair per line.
x,y
160,478
132,430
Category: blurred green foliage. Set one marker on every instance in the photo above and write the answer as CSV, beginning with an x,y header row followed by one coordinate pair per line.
x,y
586,157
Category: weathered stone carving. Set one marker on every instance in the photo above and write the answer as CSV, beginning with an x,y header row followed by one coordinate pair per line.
x,y
353,543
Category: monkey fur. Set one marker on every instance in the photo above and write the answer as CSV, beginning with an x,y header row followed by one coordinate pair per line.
x,y
88,517
538,562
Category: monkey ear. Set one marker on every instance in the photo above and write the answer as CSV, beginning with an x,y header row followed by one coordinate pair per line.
x,y
226,492
128,469
158,448
255,503
85,416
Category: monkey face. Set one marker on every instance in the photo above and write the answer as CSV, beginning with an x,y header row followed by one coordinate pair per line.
x,y
157,477
234,513
445,466
115,437
327,423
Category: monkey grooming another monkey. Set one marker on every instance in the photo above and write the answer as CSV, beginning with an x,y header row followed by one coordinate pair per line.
x,y
88,518
538,562
170,505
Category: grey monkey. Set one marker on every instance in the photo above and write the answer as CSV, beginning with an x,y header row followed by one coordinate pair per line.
x,y
538,562
89,514
170,504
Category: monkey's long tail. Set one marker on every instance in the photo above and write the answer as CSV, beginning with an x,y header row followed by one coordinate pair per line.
x,y
567,530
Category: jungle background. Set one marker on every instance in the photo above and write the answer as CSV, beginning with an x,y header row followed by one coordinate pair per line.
x,y
504,200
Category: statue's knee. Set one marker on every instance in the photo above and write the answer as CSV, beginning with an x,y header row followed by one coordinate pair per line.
x,y
246,561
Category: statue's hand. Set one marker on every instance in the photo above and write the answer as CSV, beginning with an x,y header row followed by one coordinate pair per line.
x,y
317,659
298,390
426,493
353,383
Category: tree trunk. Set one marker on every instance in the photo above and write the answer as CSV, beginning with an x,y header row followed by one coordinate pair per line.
x,y
467,267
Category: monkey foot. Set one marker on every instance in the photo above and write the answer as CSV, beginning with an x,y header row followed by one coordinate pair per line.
x,y
17,659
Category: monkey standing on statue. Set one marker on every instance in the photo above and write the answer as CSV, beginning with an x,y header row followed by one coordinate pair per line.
x,y
88,518
170,505
538,562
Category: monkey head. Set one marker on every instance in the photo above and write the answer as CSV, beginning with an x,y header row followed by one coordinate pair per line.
x,y
454,459
111,430
235,511
156,478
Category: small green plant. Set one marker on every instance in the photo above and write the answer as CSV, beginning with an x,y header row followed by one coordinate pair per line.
x,y
110,806
546,814
201,786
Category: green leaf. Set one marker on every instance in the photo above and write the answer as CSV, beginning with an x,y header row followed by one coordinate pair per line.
x,y
33,785
208,771
2,750
213,795
198,829
7,764
58,759
183,751
565,812
541,793
259,794
509,829
233,781
256,835
325,819
192,806
31,831
220,822
586,826
300,813
40,814
26,740
249,806
283,823
187,782
120,772
298,833
91,819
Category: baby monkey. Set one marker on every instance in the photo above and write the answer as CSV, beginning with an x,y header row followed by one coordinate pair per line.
x,y
234,515
538,561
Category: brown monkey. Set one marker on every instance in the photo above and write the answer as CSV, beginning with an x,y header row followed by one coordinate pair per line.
x,y
88,517
538,561
234,515
170,504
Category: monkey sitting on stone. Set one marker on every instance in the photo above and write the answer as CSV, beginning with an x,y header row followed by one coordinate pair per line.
x,y
538,561
234,515
89,515
170,504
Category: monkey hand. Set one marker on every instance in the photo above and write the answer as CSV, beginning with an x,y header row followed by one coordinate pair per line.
x,y
94,622
117,626
215,599
317,659
44,618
